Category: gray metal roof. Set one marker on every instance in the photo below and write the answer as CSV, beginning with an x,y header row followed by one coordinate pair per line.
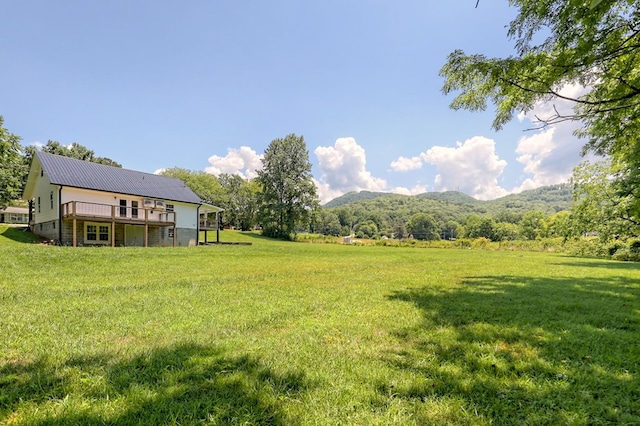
x,y
67,171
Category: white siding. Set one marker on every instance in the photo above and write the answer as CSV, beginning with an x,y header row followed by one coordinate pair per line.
x,y
43,190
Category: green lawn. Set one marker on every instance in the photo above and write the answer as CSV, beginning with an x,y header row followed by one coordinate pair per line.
x,y
301,333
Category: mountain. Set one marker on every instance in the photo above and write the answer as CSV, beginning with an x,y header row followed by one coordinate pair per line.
x,y
454,205
354,197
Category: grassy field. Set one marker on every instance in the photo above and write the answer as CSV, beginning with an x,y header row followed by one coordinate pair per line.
x,y
302,333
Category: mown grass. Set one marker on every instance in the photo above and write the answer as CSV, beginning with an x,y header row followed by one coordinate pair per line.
x,y
298,333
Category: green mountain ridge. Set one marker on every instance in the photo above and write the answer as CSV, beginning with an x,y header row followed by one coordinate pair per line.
x,y
455,205
552,197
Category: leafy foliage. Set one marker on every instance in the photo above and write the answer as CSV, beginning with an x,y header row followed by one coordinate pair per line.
x,y
12,167
288,194
423,227
241,201
75,150
601,207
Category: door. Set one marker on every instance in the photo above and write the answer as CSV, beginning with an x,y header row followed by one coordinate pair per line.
x,y
134,235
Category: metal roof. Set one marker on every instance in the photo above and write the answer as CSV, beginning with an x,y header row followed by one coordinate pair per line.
x,y
68,171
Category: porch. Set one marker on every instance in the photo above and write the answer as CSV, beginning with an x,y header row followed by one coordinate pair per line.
x,y
100,222
209,220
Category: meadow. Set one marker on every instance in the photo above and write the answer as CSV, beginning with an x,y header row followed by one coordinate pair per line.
x,y
288,333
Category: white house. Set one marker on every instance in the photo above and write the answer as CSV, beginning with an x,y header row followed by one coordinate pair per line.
x,y
81,203
14,215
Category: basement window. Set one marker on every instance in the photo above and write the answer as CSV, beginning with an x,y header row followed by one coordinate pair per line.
x,y
95,233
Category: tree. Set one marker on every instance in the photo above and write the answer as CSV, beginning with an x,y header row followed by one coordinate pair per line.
x,y
288,193
595,44
480,227
241,201
533,225
366,229
12,170
450,230
423,227
561,225
599,206
205,185
75,150
326,222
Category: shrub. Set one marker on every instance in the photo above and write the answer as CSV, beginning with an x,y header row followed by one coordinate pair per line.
x,y
615,247
481,242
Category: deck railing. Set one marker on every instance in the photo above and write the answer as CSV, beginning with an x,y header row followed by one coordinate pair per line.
x,y
82,209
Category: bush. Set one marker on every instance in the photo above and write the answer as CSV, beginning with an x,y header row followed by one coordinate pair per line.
x,y
614,247
634,245
481,242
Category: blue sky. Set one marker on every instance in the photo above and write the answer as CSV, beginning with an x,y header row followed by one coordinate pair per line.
x,y
207,85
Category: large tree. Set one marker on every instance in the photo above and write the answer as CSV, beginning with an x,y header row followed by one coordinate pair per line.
x,y
12,168
288,194
423,227
593,43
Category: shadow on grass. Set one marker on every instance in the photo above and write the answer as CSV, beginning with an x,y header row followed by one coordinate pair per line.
x,y
605,264
19,234
186,384
521,350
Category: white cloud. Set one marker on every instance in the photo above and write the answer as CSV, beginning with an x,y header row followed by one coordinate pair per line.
x,y
549,155
415,190
243,162
404,164
343,168
159,171
472,167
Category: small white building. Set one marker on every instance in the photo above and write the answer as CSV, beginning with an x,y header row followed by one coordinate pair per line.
x,y
19,215
81,203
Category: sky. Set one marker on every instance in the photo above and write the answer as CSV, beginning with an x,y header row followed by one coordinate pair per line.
x,y
206,85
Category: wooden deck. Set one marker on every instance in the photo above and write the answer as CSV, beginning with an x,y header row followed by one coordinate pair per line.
x,y
95,212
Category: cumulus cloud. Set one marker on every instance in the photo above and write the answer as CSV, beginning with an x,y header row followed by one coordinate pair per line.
x,y
549,155
415,190
343,169
243,162
404,164
472,167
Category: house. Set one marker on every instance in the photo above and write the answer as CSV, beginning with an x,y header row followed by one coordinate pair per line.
x,y
77,202
14,215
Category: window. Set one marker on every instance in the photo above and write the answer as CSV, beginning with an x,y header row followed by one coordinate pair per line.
x,y
134,209
123,208
95,233
38,204
169,207
171,232
51,199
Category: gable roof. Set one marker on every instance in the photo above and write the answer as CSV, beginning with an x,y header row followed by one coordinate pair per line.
x,y
66,171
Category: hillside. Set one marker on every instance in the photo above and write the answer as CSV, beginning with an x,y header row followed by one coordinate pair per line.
x,y
354,197
452,205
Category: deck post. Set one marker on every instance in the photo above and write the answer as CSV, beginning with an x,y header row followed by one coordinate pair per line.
x,y
75,237
175,229
146,228
113,226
